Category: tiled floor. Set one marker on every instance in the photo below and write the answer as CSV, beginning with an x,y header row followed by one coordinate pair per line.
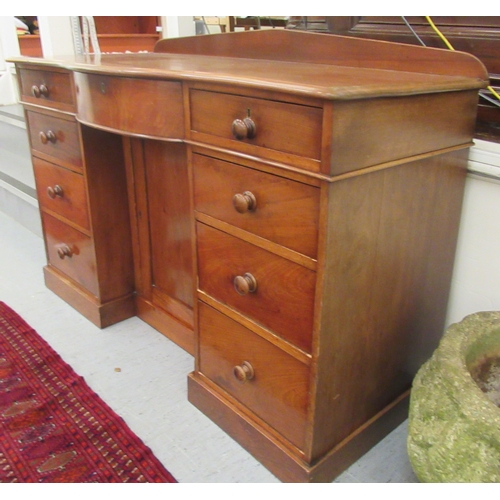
x,y
150,390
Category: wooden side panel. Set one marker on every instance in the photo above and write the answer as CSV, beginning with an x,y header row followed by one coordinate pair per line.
x,y
109,213
388,265
161,214
169,220
387,129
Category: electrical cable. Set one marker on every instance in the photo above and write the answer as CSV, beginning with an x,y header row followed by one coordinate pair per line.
x,y
413,31
435,28
450,46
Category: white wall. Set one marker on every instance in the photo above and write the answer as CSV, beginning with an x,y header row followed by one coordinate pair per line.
x,y
56,35
9,46
176,26
476,278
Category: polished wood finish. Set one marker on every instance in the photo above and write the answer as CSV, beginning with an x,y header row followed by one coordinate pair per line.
x,y
62,191
275,208
159,113
161,225
477,35
257,373
283,205
431,124
392,241
316,48
71,252
280,285
59,93
55,139
82,194
108,202
260,127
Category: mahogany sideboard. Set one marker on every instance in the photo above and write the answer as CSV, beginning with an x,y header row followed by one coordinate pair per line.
x,y
283,205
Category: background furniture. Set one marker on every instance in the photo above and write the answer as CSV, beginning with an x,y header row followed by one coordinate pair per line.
x,y
115,34
477,35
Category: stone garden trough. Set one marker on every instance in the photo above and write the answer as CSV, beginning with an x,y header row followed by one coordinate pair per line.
x,y
454,419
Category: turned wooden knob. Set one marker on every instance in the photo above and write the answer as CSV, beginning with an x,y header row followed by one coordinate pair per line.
x,y
48,136
40,91
243,372
64,251
244,129
245,284
244,202
55,191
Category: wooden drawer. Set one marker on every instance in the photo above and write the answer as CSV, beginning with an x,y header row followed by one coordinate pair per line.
x,y
278,209
71,251
277,393
139,106
293,129
284,297
62,191
53,89
55,139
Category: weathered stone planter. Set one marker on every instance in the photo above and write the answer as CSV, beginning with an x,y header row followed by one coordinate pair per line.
x,y
454,427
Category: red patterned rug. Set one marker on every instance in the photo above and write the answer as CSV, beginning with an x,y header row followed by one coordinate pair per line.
x,y
53,427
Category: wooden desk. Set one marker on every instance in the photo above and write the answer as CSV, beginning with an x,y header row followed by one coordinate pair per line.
x,y
247,196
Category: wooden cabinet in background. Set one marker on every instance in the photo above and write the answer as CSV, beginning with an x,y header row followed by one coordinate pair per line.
x,y
476,35
127,33
283,205
115,34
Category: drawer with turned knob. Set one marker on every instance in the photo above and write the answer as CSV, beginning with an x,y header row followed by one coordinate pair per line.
x,y
274,129
270,206
55,138
61,191
71,252
269,289
270,382
51,89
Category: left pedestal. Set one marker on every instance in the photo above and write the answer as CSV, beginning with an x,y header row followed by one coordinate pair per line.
x,y
82,193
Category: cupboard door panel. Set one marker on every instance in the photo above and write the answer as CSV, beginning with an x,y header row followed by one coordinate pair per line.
x,y
169,220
